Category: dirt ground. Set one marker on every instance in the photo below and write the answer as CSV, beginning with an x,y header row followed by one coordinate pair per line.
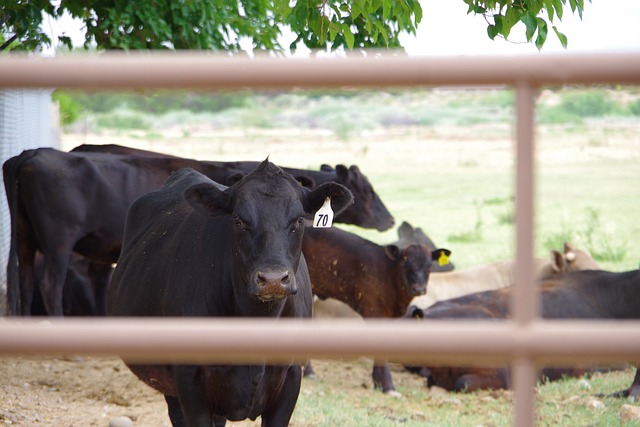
x,y
42,391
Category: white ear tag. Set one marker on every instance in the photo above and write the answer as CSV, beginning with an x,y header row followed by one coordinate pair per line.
x,y
324,216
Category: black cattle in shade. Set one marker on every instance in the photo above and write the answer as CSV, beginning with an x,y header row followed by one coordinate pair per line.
x,y
367,210
375,281
61,202
195,248
586,295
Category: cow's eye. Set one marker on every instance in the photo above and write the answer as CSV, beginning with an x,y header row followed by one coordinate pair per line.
x,y
298,224
238,223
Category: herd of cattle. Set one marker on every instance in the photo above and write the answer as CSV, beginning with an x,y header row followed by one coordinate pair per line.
x,y
231,239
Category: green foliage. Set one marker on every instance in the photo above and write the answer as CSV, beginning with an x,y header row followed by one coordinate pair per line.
x,y
221,25
214,24
594,236
69,108
574,105
598,243
556,115
158,102
536,15
634,107
590,103
122,121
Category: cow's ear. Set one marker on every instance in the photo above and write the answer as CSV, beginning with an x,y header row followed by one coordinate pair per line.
x,y
326,168
341,197
207,199
557,261
305,181
342,172
567,247
232,179
393,252
441,256
405,231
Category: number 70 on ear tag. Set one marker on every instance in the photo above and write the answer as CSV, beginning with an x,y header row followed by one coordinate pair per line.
x,y
324,216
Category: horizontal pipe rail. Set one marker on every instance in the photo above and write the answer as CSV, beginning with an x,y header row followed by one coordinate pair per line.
x,y
252,340
524,342
206,70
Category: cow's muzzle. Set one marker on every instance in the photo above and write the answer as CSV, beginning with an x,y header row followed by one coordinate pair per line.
x,y
274,285
417,289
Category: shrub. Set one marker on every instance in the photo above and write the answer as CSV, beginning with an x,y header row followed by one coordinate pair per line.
x,y
69,109
634,107
591,103
122,121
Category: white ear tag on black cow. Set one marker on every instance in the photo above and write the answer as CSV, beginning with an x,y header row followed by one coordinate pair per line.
x,y
324,216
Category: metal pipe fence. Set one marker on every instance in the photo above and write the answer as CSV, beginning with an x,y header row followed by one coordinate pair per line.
x,y
525,342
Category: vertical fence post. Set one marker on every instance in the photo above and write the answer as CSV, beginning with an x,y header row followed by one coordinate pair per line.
x,y
524,303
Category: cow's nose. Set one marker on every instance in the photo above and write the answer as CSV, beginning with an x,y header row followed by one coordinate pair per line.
x,y
274,284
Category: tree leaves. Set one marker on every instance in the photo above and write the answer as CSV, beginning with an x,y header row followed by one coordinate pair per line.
x,y
220,24
536,15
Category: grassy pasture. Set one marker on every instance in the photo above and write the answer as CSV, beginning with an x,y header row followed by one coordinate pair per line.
x,y
441,160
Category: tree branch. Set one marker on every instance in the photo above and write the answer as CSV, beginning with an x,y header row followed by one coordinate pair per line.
x,y
8,42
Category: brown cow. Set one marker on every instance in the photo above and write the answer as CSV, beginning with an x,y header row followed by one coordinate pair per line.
x,y
588,294
375,281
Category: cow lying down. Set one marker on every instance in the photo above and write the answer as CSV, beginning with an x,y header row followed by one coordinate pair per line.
x,y
500,274
588,294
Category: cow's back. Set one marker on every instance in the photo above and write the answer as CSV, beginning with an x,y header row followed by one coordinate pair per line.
x,y
164,235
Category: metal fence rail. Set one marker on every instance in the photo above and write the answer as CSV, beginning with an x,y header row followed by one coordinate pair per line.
x,y
525,342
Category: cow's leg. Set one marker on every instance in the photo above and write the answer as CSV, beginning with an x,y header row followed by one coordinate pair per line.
x,y
633,390
308,371
20,294
382,378
192,397
279,413
100,275
52,282
175,411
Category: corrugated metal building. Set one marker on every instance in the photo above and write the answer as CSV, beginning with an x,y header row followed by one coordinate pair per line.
x,y
28,119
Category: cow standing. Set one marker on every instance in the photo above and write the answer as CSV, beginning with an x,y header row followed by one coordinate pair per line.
x,y
196,248
75,202
375,281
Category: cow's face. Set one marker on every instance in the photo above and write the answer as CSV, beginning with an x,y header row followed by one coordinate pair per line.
x,y
414,264
367,211
267,210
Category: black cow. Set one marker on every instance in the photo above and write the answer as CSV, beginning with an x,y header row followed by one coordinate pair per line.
x,y
367,210
195,248
78,296
586,294
62,202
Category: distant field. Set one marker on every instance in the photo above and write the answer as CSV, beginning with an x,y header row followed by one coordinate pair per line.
x,y
442,161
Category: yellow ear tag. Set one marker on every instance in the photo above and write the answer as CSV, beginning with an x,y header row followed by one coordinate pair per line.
x,y
324,216
443,259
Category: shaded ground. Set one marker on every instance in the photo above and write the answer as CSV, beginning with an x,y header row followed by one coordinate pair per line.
x,y
44,391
